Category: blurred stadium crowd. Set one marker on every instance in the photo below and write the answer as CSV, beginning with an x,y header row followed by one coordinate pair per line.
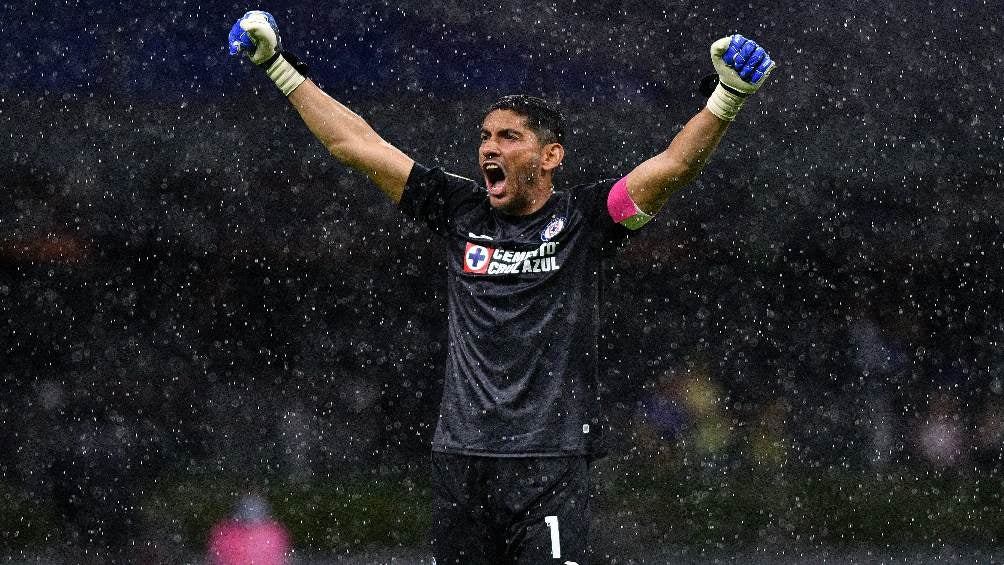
x,y
276,316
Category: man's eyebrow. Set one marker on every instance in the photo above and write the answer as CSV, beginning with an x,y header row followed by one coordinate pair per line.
x,y
501,131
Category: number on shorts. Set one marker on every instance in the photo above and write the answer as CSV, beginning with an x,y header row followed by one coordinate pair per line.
x,y
552,524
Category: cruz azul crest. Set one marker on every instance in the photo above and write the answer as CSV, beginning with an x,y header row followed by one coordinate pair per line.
x,y
553,228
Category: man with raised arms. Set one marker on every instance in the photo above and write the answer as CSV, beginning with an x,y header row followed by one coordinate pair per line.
x,y
519,417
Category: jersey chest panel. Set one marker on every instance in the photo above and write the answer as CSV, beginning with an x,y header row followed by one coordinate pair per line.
x,y
486,251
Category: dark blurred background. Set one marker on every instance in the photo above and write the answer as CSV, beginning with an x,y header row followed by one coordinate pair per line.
x,y
803,350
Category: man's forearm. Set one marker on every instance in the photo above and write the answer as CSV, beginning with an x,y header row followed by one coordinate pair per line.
x,y
652,182
692,147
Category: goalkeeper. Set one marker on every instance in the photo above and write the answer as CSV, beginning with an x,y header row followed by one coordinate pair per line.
x,y
519,419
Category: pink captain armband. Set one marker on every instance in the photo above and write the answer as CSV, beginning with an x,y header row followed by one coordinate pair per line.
x,y
622,208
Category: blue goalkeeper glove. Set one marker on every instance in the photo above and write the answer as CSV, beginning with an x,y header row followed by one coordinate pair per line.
x,y
257,34
743,67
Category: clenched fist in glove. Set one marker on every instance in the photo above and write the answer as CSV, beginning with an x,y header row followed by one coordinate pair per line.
x,y
257,34
743,67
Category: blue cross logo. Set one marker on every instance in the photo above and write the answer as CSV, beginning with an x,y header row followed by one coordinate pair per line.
x,y
476,256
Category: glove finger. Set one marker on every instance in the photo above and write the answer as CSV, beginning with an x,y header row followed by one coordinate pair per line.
x,y
255,28
770,68
261,16
258,20
235,31
752,64
762,70
735,46
234,39
756,57
718,48
765,64
730,56
744,54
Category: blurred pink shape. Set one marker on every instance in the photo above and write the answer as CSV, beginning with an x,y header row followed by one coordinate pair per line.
x,y
239,543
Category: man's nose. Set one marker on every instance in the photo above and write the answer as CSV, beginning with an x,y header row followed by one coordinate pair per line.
x,y
489,149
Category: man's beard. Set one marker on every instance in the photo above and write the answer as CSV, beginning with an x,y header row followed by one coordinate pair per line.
x,y
523,193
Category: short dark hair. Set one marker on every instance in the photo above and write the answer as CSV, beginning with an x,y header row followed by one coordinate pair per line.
x,y
542,117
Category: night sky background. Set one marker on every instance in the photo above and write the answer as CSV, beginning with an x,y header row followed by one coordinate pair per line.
x,y
191,287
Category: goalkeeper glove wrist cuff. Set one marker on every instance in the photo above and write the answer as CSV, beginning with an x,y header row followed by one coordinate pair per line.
x,y
725,102
285,72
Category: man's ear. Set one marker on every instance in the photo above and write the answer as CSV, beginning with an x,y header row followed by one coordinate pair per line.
x,y
552,156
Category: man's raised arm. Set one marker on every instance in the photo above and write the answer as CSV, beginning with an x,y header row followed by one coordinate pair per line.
x,y
344,134
742,68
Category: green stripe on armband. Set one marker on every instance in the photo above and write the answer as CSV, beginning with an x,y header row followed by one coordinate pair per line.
x,y
637,221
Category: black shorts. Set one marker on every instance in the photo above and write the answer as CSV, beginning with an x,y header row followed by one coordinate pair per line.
x,y
509,511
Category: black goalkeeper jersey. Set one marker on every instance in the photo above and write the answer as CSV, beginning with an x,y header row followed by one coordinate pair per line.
x,y
521,376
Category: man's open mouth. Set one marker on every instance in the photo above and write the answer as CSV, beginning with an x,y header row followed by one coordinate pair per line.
x,y
494,178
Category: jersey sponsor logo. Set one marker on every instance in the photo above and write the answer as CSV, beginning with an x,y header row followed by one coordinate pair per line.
x,y
553,228
481,260
477,258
